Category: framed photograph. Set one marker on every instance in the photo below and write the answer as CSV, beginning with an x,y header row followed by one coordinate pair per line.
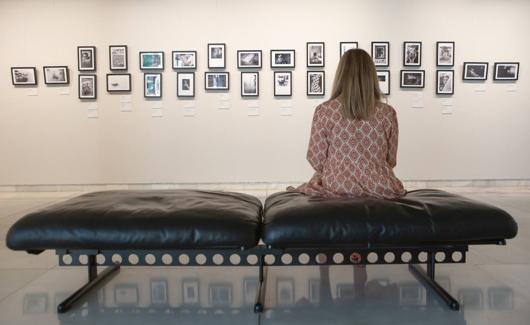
x,y
383,76
284,291
314,291
152,60
250,290
216,55
216,80
86,58
345,290
24,76
282,58
475,71
220,294
381,54
445,82
506,71
316,83
500,298
345,46
35,303
283,83
248,59
315,53
56,75
152,85
249,84
159,295
472,298
445,54
185,84
412,79
126,294
118,57
190,292
87,86
184,59
412,293
412,54
118,82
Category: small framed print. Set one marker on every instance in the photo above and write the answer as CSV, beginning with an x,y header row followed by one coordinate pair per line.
x,y
283,83
86,58
282,58
159,294
315,52
248,59
152,60
126,294
411,294
152,85
316,83
220,294
381,53
35,303
24,76
445,82
185,84
500,298
445,54
87,86
383,76
412,54
250,289
249,84
314,291
118,57
216,80
345,46
56,75
216,55
119,82
190,292
184,59
475,71
412,79
506,71
472,298
284,291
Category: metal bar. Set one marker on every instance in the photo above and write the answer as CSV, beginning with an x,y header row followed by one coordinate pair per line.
x,y
431,264
262,284
427,281
92,267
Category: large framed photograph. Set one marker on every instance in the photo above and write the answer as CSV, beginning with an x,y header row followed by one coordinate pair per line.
x,y
184,59
152,60
316,83
282,58
412,79
284,291
216,80
283,83
86,58
381,54
249,84
383,76
159,292
445,54
118,57
475,71
185,84
345,46
24,76
56,75
87,86
506,71
445,82
190,292
220,294
248,59
119,82
315,52
216,55
412,54
152,85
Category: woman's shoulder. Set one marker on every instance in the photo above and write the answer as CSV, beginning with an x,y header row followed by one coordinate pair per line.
x,y
328,110
385,109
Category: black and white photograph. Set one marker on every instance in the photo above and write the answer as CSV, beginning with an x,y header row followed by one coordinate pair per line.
x,y
216,55
315,52
126,294
284,291
381,54
250,289
282,58
56,75
216,80
24,76
283,83
86,58
249,84
184,59
412,54
118,57
345,46
119,82
248,59
475,71
220,294
190,292
506,71
412,78
445,82
185,84
314,291
316,83
383,76
152,85
159,294
152,60
87,86
445,54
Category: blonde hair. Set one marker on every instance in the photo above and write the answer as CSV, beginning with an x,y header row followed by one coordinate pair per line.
x,y
356,85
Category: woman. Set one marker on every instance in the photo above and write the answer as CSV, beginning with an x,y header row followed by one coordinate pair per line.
x,y
354,136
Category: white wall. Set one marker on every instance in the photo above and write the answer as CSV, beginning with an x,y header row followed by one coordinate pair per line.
x,y
48,139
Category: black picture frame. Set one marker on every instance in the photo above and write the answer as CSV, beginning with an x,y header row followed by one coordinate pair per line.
x,y
386,89
118,58
381,53
345,46
24,76
244,92
123,81
209,83
87,90
315,54
412,53
191,292
309,90
156,92
447,86
278,62
216,55
86,58
241,64
159,292
404,80
56,75
445,53
182,64
502,75
475,71
126,294
151,60
181,91
277,93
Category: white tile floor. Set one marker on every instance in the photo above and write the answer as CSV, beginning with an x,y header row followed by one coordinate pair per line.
x,y
493,286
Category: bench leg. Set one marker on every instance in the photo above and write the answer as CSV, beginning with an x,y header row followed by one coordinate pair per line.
x,y
93,279
262,284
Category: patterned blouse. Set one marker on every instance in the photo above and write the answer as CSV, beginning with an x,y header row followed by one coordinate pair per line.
x,y
353,158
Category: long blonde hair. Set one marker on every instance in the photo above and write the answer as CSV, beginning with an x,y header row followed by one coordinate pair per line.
x,y
356,85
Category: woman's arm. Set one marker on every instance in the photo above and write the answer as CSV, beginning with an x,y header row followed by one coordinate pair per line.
x,y
317,152
391,157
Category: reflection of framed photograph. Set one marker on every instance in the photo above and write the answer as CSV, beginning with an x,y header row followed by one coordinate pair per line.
x,y
471,298
285,291
250,291
126,294
216,55
315,52
190,292
412,79
249,59
282,58
412,54
249,84
475,71
152,85
220,294
86,58
119,82
500,298
35,303
445,82
24,76
118,57
159,292
381,53
87,86
152,60
345,290
316,85
283,83
216,80
184,59
314,291
412,293
56,75
345,46
383,76
506,71
445,54
185,84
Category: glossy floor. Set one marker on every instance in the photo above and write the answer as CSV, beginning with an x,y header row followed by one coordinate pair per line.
x,y
493,286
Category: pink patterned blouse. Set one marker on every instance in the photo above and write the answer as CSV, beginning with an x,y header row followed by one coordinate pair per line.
x,y
353,158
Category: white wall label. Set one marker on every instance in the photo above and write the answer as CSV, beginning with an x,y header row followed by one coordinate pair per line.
x,y
156,112
64,91
417,100
32,92
125,99
126,107
223,104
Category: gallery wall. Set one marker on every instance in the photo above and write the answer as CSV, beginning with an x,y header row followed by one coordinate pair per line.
x,y
46,136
